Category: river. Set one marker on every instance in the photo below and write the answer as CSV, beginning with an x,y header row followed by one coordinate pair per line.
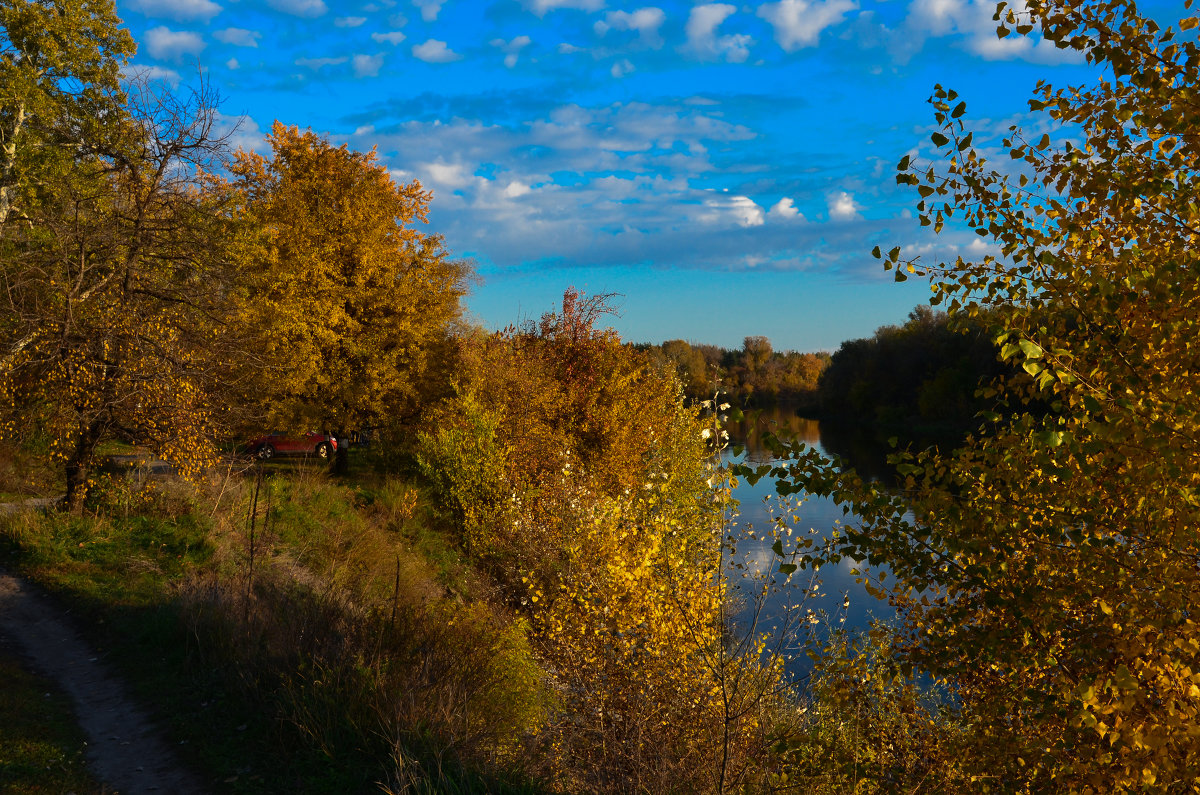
x,y
839,599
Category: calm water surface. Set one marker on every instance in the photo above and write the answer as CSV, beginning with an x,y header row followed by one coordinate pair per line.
x,y
838,583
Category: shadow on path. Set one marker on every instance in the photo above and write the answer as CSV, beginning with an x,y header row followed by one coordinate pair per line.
x,y
125,750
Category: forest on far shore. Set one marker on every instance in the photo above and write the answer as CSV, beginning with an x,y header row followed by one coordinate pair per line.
x,y
925,375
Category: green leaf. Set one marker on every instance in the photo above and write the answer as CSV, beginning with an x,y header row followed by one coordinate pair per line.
x,y
903,164
959,110
939,139
1031,349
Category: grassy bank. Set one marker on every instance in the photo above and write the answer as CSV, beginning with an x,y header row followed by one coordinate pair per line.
x,y
297,633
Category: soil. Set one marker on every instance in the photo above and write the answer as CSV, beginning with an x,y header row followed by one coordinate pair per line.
x,y
125,750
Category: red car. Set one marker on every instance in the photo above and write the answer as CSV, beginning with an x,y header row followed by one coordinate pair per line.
x,y
272,444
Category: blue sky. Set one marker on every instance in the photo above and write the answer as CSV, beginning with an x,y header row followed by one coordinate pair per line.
x,y
725,168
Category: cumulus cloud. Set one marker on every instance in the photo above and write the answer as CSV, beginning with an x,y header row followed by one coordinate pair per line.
x,y
540,7
238,37
300,8
511,49
785,210
621,68
181,10
317,64
972,20
798,23
154,73
842,206
515,189
703,41
434,51
448,175
622,183
742,209
429,8
244,133
367,65
170,45
392,37
349,22
233,64
646,21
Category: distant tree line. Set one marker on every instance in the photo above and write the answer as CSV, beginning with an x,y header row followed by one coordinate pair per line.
x,y
755,375
923,375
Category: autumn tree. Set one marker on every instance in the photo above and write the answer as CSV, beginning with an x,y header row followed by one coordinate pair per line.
x,y
581,484
60,66
111,259
345,294
1056,558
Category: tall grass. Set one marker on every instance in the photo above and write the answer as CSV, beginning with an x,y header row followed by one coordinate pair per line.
x,y
338,662
354,643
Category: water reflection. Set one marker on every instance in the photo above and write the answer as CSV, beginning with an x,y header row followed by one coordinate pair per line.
x,y
834,590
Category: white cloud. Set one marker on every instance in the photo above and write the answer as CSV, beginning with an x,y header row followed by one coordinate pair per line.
x,y
154,73
842,206
393,37
726,210
300,8
367,65
176,9
785,210
516,189
317,64
972,19
646,21
169,45
434,51
621,183
349,22
243,133
448,175
798,23
702,39
566,48
429,8
238,37
621,68
540,7
512,49
232,63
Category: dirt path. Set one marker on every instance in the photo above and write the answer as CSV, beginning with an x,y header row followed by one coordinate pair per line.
x,y
125,751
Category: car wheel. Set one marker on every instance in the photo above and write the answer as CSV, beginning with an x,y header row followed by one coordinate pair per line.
x,y
324,450
265,451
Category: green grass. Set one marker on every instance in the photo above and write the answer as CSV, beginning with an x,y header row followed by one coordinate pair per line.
x,y
256,719
41,747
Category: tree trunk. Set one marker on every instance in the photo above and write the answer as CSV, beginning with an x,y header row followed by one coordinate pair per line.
x,y
78,467
341,456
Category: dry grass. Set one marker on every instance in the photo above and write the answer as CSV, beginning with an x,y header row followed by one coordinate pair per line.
x,y
329,617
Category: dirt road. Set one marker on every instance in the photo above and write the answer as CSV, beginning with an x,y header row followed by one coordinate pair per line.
x,y
125,750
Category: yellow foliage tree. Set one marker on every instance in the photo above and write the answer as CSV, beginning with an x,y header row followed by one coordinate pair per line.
x,y
116,286
583,484
344,295
1056,557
